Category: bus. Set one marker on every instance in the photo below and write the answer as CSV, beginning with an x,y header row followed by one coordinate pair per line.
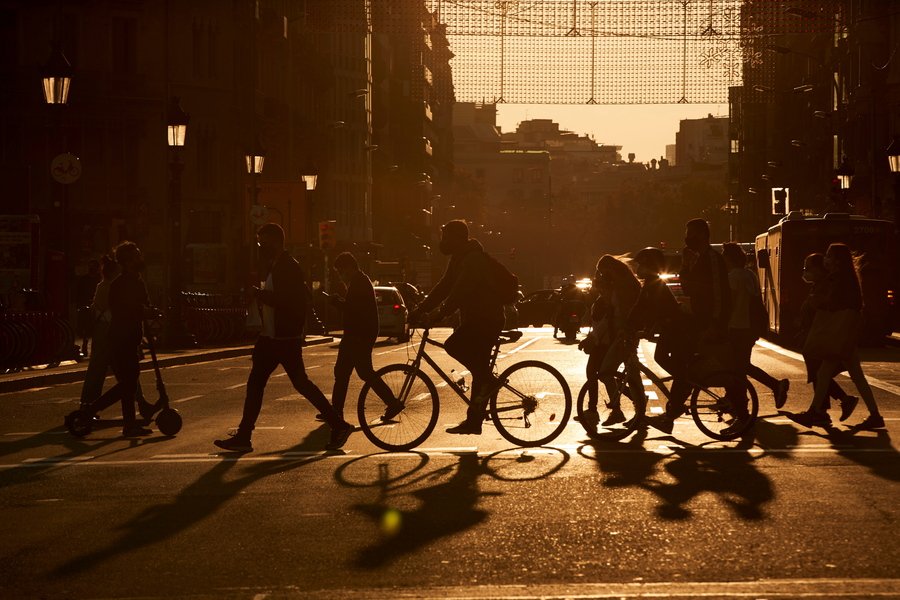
x,y
780,253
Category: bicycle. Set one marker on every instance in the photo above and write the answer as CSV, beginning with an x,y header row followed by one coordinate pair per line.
x,y
711,411
530,408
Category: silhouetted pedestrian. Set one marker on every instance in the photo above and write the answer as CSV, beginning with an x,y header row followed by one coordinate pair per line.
x,y
101,316
742,337
283,299
834,337
360,332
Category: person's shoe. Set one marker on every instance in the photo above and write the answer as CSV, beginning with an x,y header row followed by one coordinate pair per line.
x,y
811,419
238,442
392,410
136,431
781,392
339,436
467,427
736,427
664,423
590,418
320,417
848,405
615,416
870,422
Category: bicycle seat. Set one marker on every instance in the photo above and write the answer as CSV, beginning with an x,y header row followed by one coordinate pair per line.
x,y
511,335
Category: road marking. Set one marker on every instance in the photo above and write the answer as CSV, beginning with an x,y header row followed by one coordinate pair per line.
x,y
518,348
873,381
23,433
292,456
278,375
390,351
271,427
187,398
235,386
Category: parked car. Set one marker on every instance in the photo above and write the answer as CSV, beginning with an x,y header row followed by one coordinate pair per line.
x,y
411,294
393,316
538,308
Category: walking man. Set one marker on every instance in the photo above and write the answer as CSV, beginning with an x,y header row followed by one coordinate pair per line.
x,y
283,300
360,332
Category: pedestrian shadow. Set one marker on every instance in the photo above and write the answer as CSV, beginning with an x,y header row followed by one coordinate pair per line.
x,y
728,473
775,440
196,502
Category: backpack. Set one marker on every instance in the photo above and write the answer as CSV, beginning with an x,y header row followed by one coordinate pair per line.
x,y
503,283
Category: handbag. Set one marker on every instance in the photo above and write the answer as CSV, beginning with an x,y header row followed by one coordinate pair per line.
x,y
833,334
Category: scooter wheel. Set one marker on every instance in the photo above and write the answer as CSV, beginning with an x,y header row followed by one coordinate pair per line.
x,y
168,421
79,423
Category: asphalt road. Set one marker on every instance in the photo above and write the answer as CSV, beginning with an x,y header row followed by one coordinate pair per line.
x,y
783,513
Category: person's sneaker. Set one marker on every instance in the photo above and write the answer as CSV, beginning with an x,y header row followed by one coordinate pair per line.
x,y
811,419
320,417
781,392
870,422
615,417
392,410
237,442
848,405
467,428
339,436
664,423
136,431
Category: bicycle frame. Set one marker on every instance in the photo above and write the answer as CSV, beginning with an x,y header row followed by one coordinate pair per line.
x,y
422,354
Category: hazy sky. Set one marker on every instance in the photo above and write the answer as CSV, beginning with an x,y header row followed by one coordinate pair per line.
x,y
644,129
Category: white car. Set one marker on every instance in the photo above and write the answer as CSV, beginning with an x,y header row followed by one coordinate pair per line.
x,y
393,317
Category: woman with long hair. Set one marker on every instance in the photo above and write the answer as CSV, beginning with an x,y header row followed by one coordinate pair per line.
x,y
621,288
842,293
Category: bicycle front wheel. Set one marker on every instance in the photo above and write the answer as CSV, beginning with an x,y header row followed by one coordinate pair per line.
x,y
533,405
410,427
715,416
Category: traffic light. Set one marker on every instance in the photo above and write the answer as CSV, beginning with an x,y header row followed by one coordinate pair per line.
x,y
327,238
780,202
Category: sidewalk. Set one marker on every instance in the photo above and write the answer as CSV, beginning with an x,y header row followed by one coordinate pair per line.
x,y
71,371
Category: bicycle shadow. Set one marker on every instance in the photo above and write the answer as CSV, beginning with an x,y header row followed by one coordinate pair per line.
x,y
446,508
196,502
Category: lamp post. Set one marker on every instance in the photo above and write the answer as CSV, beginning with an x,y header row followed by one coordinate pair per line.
x,y
177,121
65,168
845,174
255,159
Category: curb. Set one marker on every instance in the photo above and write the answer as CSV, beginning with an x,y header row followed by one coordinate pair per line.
x,y
30,379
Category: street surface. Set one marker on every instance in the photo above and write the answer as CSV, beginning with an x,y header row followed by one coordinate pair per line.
x,y
784,513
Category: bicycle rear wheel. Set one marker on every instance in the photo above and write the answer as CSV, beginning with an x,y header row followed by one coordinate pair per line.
x,y
533,405
414,423
715,416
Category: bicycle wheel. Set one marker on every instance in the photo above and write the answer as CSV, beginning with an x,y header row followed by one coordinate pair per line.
x,y
533,405
614,417
714,415
414,423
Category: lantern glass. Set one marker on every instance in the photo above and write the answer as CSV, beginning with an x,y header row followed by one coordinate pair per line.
x,y
310,181
894,163
56,89
845,180
177,133
255,163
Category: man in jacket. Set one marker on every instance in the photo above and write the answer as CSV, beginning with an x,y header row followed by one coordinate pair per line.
x,y
283,299
466,287
360,332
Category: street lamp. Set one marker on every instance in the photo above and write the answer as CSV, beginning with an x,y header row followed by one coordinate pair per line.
x,y
845,174
255,158
57,76
177,120
893,152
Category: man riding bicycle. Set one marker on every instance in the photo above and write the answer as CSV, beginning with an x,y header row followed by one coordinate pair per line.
x,y
466,286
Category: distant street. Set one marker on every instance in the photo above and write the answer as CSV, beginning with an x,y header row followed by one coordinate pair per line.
x,y
784,513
